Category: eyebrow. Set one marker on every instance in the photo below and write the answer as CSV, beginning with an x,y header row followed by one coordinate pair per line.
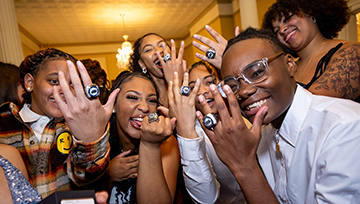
x,y
53,74
203,78
151,44
138,93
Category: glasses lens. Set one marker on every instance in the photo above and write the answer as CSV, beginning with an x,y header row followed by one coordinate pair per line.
x,y
256,72
232,83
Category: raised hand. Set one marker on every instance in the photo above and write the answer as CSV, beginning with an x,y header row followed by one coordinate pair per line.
x,y
219,46
183,107
123,168
87,118
234,143
154,133
175,64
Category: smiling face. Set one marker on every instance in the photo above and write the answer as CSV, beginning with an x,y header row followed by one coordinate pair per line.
x,y
200,72
148,48
276,91
42,85
296,31
136,99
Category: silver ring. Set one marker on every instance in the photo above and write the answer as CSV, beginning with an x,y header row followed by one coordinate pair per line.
x,y
92,91
167,57
153,117
185,90
210,121
210,53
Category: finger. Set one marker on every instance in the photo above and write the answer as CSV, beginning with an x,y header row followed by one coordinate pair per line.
x,y
164,110
233,104
101,196
220,39
176,86
173,122
173,50
200,46
123,154
204,105
195,90
237,31
171,94
220,104
84,74
186,79
203,57
181,50
109,106
184,65
161,59
74,76
59,101
259,121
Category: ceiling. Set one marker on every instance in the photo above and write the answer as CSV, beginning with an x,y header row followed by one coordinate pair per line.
x,y
99,21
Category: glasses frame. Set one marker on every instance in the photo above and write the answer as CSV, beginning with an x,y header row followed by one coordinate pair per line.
x,y
265,61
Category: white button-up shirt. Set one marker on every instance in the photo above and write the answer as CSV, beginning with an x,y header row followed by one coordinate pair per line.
x,y
319,143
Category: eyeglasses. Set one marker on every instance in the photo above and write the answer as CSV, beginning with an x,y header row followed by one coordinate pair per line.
x,y
253,73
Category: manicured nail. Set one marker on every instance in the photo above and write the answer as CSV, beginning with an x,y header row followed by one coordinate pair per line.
x,y
212,87
201,98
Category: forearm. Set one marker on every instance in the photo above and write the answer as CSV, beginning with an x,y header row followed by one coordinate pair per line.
x,y
151,185
254,184
199,176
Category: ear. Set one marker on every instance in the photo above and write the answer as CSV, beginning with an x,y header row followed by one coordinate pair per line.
x,y
142,64
29,82
292,67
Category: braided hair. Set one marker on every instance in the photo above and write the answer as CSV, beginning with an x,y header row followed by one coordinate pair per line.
x,y
32,64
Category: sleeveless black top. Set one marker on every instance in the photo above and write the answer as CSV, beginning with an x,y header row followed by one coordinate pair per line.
x,y
321,66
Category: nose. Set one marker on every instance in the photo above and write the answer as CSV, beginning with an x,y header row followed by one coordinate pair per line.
x,y
203,90
143,106
283,29
246,90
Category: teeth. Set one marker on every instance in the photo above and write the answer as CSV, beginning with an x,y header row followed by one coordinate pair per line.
x,y
208,100
255,105
290,34
138,119
53,100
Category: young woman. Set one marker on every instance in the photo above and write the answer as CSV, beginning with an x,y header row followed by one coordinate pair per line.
x,y
57,153
144,155
148,57
326,66
11,89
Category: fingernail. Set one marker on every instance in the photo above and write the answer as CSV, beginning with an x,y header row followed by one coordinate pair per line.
x,y
172,41
227,89
206,26
212,87
198,113
201,98
196,35
175,73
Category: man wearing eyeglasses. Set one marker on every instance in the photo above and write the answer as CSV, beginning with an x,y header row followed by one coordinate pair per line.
x,y
307,151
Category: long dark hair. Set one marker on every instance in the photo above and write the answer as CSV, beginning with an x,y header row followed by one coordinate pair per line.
x,y
127,186
32,64
135,56
9,82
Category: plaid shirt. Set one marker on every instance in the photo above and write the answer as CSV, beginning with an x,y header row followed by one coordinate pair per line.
x,y
50,167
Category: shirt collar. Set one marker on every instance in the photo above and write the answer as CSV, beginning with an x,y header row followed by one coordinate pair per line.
x,y
295,117
28,116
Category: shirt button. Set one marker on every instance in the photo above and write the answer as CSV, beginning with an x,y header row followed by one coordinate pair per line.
x,y
41,170
42,125
32,142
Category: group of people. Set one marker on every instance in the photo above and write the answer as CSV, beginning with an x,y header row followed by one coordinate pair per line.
x,y
252,122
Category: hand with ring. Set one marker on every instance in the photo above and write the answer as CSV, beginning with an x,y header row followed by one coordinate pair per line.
x,y
171,63
156,129
213,51
82,110
182,107
234,143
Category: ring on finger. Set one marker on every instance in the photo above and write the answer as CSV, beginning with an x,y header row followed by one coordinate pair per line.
x,y
210,121
167,57
92,91
210,53
152,117
185,90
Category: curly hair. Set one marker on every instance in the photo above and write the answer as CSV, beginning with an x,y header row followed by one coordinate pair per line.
x,y
251,33
135,56
331,15
32,64
9,82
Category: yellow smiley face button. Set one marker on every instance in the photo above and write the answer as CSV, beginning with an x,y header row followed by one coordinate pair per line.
x,y
64,142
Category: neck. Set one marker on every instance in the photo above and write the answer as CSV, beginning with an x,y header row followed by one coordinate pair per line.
x,y
312,48
161,86
126,140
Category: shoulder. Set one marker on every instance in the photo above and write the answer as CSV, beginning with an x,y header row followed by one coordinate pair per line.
x,y
13,156
348,50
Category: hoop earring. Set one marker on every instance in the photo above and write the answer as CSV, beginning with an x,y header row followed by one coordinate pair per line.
x,y
144,70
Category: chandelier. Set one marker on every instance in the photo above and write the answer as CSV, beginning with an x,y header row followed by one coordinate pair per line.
x,y
124,52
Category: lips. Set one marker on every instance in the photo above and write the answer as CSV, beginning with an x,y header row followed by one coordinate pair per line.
x,y
157,63
137,121
210,101
254,107
289,36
